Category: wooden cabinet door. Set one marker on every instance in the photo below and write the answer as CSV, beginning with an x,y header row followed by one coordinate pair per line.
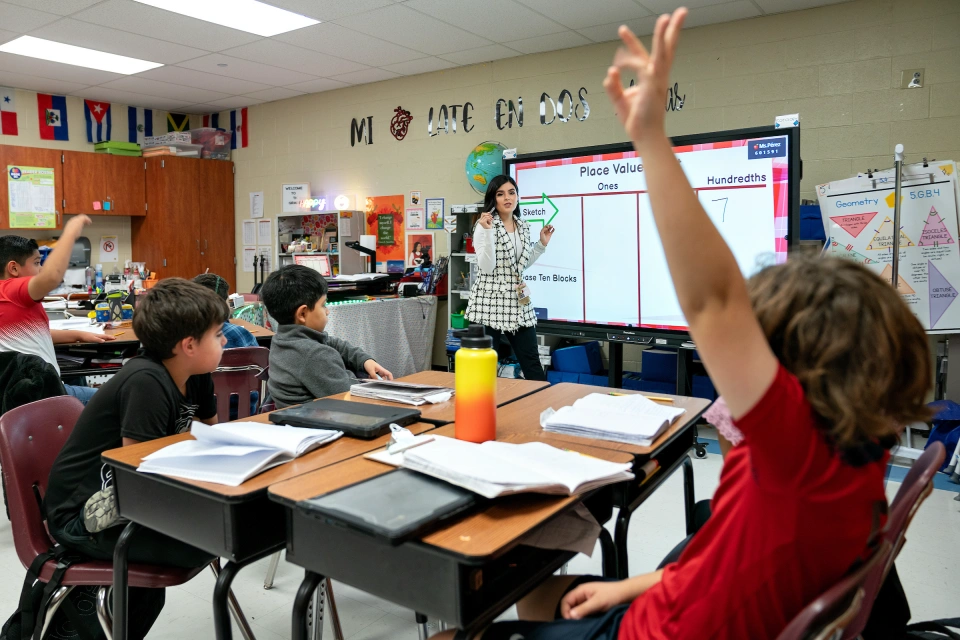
x,y
168,237
125,185
30,157
217,228
84,182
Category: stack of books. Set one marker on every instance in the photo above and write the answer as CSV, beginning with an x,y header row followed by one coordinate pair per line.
x,y
632,419
402,392
116,148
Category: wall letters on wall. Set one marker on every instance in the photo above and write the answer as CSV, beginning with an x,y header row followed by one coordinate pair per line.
x,y
362,131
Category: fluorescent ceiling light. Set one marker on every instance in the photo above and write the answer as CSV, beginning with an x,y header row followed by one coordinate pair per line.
x,y
77,56
246,15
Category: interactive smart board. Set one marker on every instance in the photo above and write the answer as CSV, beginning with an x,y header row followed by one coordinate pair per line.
x,y
605,266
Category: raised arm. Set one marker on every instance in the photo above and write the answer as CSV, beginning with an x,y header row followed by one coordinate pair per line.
x,y
55,266
710,288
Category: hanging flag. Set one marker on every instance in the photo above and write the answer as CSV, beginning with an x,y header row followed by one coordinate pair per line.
x,y
99,120
139,124
177,122
238,126
52,114
212,120
8,112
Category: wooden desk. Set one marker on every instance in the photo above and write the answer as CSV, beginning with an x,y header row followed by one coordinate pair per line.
x,y
521,422
466,573
508,390
239,523
263,335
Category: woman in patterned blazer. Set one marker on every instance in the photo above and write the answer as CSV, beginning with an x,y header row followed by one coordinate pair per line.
x,y
500,300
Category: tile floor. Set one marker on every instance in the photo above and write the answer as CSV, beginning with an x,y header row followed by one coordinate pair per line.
x,y
928,567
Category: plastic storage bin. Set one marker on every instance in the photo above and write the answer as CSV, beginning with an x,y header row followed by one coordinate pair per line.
x,y
458,321
581,358
215,143
554,376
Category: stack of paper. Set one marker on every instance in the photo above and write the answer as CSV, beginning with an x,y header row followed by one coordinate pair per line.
x,y
501,468
232,452
630,418
404,392
75,323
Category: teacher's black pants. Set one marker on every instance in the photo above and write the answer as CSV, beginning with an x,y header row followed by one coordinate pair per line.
x,y
524,343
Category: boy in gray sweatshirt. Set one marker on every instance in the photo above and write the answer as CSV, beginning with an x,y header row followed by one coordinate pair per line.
x,y
305,362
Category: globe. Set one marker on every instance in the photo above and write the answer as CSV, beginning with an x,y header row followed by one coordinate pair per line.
x,y
484,163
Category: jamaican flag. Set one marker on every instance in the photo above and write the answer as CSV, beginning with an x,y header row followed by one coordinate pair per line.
x,y
177,122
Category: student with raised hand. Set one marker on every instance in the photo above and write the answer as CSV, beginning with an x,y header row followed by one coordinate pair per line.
x,y
821,364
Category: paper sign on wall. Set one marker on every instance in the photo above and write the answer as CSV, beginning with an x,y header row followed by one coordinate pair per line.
x,y
263,232
414,219
385,230
256,204
292,195
31,197
249,232
108,249
434,213
248,253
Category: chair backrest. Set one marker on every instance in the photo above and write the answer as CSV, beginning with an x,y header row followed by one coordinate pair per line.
x,y
829,616
239,375
31,436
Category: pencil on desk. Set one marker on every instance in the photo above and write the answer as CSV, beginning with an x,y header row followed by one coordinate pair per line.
x,y
116,335
659,399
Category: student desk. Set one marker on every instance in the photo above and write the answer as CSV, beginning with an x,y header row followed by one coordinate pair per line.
x,y
238,523
521,421
508,390
466,573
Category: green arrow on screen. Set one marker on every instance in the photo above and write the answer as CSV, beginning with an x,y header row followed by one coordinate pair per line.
x,y
542,200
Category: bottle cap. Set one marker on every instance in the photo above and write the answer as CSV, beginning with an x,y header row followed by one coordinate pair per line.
x,y
474,337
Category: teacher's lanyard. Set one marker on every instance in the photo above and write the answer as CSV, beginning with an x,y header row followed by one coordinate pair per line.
x,y
523,291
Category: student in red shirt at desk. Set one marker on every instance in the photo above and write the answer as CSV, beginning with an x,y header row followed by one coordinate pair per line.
x,y
820,363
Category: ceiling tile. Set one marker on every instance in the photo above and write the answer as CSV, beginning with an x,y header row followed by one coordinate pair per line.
x,y
423,65
401,25
739,10
134,17
287,56
480,54
275,93
130,98
59,7
84,34
234,102
577,15
7,36
199,109
666,6
36,83
499,20
159,89
605,32
335,40
780,6
365,76
564,40
55,70
245,70
329,9
316,86
200,80
23,19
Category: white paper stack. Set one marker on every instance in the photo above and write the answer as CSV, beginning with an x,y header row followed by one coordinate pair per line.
x,y
403,392
500,468
632,419
232,452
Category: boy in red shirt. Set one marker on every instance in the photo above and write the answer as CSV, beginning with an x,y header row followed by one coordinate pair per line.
x,y
820,363
24,326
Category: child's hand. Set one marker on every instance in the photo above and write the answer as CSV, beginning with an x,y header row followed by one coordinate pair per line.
x,y
75,226
593,598
373,370
641,108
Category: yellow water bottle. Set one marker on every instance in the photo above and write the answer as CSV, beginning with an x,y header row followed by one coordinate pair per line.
x,y
476,384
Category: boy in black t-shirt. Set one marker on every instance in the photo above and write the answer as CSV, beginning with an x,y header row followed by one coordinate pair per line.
x,y
180,326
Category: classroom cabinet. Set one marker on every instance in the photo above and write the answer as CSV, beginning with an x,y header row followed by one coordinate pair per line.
x,y
189,224
29,157
90,178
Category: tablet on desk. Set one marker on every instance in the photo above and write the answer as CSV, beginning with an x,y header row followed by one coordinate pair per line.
x,y
355,419
395,507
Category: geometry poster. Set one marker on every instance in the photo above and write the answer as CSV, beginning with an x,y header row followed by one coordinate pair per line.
x,y
942,294
935,231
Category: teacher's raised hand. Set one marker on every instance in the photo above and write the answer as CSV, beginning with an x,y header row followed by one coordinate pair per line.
x,y
486,220
546,233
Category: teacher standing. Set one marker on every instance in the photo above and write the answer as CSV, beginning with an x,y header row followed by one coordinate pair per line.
x,y
500,300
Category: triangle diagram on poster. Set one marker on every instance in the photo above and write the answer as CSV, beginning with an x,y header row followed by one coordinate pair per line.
x,y
836,249
934,231
903,288
947,169
883,237
854,223
942,293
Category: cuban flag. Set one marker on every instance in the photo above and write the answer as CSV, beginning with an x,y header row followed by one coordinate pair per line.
x,y
52,116
8,112
99,120
139,124
238,127
212,120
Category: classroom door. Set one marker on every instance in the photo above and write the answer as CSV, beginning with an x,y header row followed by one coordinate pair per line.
x,y
30,157
217,228
84,182
125,185
168,237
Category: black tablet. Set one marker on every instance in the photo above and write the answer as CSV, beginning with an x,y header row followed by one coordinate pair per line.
x,y
355,419
395,507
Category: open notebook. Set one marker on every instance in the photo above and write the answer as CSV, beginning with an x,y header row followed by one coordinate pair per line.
x,y
232,452
632,419
501,468
403,392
